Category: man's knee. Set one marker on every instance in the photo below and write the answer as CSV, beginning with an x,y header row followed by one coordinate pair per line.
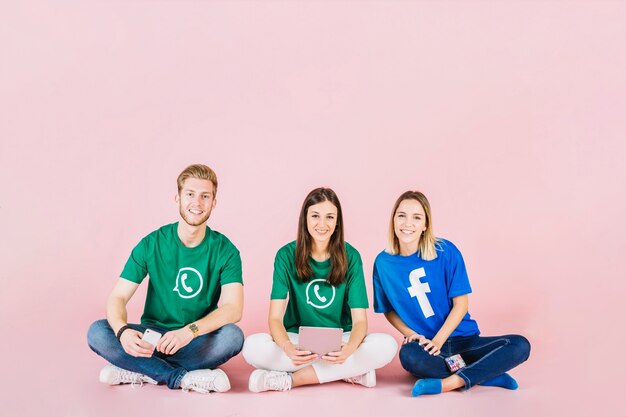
x,y
231,338
98,334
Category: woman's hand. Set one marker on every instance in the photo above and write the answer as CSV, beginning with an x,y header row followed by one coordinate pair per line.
x,y
430,346
298,357
413,338
339,356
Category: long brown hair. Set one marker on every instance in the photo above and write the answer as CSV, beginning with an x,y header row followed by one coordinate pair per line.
x,y
427,248
336,246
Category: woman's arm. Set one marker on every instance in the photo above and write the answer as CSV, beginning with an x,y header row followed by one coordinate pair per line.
x,y
358,333
395,320
359,328
459,309
279,334
409,334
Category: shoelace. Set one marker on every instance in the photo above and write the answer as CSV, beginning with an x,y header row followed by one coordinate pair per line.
x,y
353,379
278,381
133,378
202,385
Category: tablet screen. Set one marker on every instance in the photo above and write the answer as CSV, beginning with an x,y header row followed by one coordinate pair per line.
x,y
320,340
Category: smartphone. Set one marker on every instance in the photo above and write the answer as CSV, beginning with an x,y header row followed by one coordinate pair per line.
x,y
455,362
151,337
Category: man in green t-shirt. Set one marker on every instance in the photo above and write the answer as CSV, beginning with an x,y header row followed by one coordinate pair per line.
x,y
191,269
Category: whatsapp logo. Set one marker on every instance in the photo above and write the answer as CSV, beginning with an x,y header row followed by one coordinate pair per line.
x,y
319,293
188,282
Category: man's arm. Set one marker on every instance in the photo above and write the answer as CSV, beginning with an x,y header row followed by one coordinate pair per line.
x,y
117,318
229,311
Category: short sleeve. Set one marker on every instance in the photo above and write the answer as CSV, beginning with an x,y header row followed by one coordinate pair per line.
x,y
136,267
457,280
381,303
280,285
231,271
357,294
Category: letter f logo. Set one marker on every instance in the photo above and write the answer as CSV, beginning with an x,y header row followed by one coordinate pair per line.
x,y
419,289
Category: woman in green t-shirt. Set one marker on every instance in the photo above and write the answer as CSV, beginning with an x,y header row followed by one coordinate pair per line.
x,y
318,282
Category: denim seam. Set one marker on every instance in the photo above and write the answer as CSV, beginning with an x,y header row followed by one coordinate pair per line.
x,y
468,385
485,345
179,378
466,380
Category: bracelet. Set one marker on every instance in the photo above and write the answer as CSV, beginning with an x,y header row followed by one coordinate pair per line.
x,y
121,330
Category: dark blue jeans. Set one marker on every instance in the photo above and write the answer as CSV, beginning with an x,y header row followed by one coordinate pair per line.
x,y
486,357
204,352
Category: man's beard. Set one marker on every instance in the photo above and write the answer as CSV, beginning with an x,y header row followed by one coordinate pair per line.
x,y
183,214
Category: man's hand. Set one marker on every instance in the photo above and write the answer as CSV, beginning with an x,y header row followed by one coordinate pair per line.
x,y
174,340
339,356
134,346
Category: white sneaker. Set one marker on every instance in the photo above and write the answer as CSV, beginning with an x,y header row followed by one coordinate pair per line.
x,y
262,380
205,381
113,375
368,379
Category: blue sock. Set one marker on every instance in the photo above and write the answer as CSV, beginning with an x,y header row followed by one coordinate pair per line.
x,y
426,386
503,381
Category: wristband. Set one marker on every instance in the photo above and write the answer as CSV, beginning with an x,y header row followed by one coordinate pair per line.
x,y
121,330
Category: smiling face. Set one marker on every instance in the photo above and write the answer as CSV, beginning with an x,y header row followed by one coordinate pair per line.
x,y
195,201
409,222
321,220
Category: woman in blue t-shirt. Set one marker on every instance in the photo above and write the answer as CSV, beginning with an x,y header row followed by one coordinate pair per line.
x,y
421,285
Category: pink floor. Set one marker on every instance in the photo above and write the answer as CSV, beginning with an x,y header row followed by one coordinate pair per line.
x,y
390,397
50,389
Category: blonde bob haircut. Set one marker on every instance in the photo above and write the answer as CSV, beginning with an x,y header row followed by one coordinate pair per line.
x,y
198,171
427,247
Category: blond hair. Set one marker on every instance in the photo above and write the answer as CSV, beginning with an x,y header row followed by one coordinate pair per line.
x,y
199,171
427,247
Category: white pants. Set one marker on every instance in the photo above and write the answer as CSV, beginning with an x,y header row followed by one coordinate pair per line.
x,y
376,351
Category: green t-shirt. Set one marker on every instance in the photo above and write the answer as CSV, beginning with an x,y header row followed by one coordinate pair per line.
x,y
317,303
185,283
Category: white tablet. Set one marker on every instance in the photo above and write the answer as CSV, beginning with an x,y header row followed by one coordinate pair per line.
x,y
320,340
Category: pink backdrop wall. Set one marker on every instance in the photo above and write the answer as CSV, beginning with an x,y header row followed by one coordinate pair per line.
x,y
508,115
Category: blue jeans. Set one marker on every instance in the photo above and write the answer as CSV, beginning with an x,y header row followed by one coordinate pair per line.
x,y
486,357
204,352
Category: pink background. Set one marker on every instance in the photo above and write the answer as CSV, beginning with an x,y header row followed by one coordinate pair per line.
x,y
510,116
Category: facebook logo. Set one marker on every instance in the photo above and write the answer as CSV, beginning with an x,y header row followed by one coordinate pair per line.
x,y
419,289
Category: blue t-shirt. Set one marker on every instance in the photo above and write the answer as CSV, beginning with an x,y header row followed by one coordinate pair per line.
x,y
421,292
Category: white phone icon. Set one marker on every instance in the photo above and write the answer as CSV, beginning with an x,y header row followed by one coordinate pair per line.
x,y
182,282
316,289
